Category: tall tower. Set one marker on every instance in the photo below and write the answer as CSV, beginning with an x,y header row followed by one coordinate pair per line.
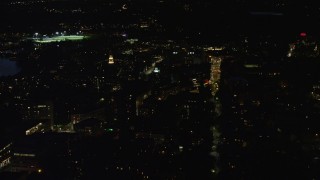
x,y
110,60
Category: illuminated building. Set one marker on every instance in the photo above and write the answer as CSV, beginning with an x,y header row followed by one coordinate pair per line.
x,y
19,157
5,156
38,128
39,113
90,126
23,162
305,46
215,74
140,101
97,114
315,94
110,59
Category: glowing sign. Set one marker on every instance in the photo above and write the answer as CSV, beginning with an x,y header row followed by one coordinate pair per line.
x,y
303,34
110,130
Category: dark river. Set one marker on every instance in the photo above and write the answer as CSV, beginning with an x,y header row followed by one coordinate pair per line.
x,y
8,68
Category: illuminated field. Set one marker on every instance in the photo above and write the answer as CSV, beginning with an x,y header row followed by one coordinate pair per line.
x,y
60,39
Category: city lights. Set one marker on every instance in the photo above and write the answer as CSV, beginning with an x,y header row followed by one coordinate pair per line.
x,y
160,89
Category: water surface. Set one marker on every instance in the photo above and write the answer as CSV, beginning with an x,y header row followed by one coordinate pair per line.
x,y
8,67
